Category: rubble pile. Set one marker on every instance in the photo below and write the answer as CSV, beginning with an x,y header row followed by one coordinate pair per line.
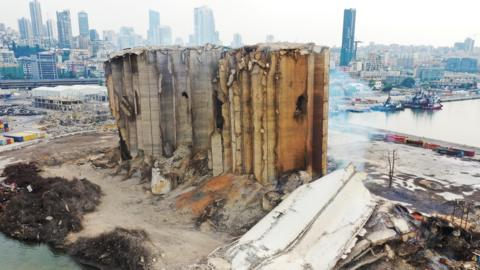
x,y
396,237
34,208
226,203
18,110
118,249
59,123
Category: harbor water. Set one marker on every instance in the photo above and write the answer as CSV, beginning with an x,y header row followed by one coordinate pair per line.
x,y
15,255
457,122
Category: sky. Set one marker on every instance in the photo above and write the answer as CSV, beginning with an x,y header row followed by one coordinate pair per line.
x,y
406,22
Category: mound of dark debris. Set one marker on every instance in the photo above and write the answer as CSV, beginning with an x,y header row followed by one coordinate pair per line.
x,y
118,249
45,210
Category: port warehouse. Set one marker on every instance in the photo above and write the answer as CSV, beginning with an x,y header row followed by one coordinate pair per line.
x,y
67,97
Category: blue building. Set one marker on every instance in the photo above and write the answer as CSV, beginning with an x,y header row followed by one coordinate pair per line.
x,y
469,65
430,74
347,53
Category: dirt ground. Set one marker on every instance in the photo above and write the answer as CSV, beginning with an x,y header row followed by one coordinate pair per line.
x,y
423,179
125,203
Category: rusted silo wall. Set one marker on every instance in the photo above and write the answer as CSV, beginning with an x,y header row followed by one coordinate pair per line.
x,y
259,110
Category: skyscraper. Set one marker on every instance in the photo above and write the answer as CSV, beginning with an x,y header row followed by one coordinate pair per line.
x,y
83,24
347,53
237,41
51,31
204,26
469,44
127,38
165,34
64,25
25,29
94,35
36,18
153,27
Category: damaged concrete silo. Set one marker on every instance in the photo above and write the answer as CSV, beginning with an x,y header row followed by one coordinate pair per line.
x,y
259,110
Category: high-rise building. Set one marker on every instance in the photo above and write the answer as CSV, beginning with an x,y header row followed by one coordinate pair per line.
x,y
109,36
64,25
127,38
25,29
237,41
83,24
469,44
165,35
347,53
153,27
47,65
36,18
30,67
2,27
204,26
51,35
94,35
7,56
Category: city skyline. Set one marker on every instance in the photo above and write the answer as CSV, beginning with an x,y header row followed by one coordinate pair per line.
x,y
320,25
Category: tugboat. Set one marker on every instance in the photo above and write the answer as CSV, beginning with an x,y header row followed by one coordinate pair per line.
x,y
423,100
388,106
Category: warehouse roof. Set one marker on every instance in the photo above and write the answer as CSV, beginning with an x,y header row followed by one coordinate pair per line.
x,y
73,91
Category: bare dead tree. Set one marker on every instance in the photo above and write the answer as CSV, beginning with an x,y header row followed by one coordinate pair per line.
x,y
392,156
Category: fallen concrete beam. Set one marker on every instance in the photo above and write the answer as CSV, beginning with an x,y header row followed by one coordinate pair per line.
x,y
314,226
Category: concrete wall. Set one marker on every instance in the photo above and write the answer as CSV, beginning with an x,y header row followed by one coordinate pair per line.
x,y
259,110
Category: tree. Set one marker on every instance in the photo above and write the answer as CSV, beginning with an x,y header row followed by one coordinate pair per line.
x,y
387,88
408,82
391,158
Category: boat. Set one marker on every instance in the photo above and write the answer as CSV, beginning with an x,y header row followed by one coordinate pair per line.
x,y
388,106
423,100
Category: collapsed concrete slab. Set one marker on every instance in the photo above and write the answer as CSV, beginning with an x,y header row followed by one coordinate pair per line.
x,y
259,110
314,226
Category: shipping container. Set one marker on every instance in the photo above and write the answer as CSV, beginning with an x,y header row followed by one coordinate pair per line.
x,y
431,146
22,136
418,143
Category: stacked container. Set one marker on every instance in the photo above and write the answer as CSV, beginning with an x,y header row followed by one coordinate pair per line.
x,y
5,141
4,126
